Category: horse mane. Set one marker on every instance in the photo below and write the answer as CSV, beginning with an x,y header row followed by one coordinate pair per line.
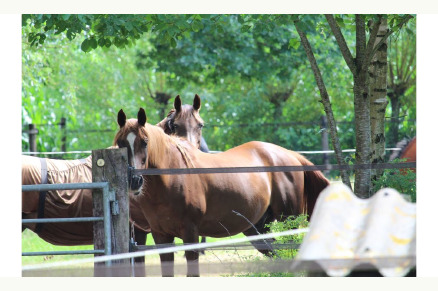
x,y
314,183
159,144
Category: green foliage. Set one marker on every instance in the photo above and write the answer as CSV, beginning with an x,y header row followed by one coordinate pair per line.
x,y
289,223
120,30
250,71
402,180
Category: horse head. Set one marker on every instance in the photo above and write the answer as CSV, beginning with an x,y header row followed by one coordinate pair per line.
x,y
185,121
132,136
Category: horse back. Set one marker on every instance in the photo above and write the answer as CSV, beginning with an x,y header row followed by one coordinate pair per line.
x,y
30,175
410,153
60,203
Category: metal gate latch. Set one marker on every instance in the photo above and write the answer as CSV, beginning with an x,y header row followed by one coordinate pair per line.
x,y
115,210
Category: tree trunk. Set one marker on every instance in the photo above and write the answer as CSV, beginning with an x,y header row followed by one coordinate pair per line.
x,y
378,102
362,112
363,135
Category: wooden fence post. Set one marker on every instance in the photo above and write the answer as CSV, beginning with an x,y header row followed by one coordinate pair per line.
x,y
111,165
62,124
32,138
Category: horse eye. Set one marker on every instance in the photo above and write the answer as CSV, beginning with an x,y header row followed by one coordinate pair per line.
x,y
200,125
143,161
144,143
175,125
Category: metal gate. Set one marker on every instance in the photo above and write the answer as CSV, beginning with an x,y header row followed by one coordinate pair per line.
x,y
108,196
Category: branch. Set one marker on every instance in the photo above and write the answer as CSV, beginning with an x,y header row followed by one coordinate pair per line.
x,y
348,57
385,37
149,90
411,62
361,42
325,100
371,42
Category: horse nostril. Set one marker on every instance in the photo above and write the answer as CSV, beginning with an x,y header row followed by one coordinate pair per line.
x,y
136,182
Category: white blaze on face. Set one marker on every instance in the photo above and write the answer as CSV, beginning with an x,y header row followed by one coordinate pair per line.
x,y
131,138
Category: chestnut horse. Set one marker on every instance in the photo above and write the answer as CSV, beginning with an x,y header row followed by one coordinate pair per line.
x,y
408,152
218,205
78,203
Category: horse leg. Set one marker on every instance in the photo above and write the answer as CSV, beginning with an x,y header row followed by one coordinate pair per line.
x,y
261,228
191,235
139,265
167,260
203,240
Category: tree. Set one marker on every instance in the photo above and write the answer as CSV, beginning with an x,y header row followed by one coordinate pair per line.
x,y
359,67
401,76
106,30
378,102
248,69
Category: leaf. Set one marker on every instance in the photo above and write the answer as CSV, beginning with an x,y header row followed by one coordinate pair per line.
x,y
173,42
128,26
65,16
240,19
85,45
24,19
294,43
70,34
197,25
42,38
340,21
245,28
101,42
93,43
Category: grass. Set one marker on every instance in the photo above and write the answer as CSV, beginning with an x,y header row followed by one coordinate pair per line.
x,y
30,242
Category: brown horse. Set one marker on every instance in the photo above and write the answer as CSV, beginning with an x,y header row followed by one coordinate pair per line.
x,y
55,204
218,205
183,121
78,203
408,152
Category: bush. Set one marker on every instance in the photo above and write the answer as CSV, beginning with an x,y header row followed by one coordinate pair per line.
x,y
402,180
289,223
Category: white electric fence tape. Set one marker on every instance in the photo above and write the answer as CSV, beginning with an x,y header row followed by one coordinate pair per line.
x,y
164,250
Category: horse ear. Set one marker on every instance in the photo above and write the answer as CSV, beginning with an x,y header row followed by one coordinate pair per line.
x,y
141,117
177,103
121,118
197,102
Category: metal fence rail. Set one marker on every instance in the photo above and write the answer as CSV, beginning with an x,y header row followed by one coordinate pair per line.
x,y
106,218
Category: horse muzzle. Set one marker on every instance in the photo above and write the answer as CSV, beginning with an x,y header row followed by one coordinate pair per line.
x,y
135,181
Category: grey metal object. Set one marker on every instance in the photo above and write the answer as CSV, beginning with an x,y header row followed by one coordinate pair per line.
x,y
62,220
61,253
108,197
66,186
115,210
